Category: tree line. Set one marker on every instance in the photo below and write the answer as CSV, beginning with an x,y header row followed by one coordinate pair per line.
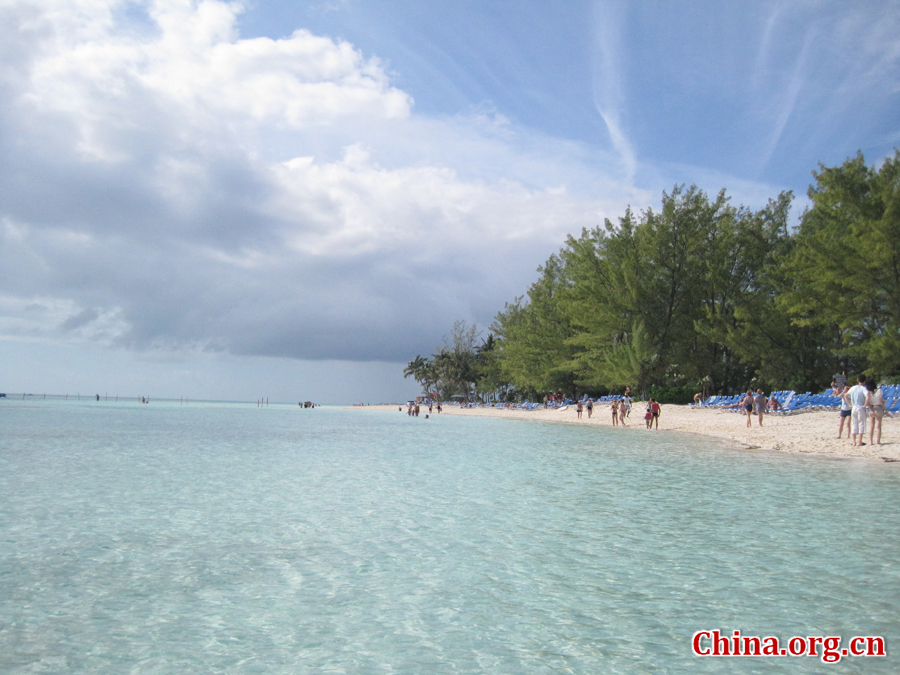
x,y
701,295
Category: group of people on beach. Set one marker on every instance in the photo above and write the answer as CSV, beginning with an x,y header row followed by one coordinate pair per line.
x,y
859,402
756,402
621,410
413,408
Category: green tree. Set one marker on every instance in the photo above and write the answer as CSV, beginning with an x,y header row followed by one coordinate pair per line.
x,y
456,364
845,265
535,354
638,289
704,294
414,368
763,347
420,369
490,381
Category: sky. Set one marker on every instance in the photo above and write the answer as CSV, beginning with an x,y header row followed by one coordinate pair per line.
x,y
287,199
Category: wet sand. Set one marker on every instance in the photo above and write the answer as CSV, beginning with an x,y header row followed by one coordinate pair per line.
x,y
809,432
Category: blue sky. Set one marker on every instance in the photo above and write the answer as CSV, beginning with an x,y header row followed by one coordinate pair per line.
x,y
763,90
292,199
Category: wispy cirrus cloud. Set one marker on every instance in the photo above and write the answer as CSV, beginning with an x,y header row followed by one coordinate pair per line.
x,y
762,91
817,63
609,78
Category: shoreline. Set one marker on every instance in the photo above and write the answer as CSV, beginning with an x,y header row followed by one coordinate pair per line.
x,y
812,433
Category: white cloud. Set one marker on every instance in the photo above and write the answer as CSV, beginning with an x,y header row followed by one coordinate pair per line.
x,y
609,93
172,185
196,73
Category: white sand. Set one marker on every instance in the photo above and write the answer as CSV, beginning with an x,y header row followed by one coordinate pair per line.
x,y
810,432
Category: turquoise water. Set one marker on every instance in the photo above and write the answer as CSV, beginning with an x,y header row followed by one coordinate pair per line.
x,y
223,538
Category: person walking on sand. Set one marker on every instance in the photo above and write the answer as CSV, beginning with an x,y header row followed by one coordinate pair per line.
x,y
759,402
615,413
648,416
858,395
622,411
626,401
590,407
747,404
846,409
875,403
578,409
655,409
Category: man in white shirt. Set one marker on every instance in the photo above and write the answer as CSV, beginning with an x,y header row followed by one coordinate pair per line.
x,y
857,396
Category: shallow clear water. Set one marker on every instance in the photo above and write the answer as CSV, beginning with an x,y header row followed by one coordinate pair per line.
x,y
223,538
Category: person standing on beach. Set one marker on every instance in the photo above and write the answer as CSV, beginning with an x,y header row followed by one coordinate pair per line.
x,y
858,395
846,409
622,411
626,401
747,403
648,416
655,409
875,403
615,413
578,409
759,402
590,407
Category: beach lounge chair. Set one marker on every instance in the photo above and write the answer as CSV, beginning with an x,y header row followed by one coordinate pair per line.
x,y
894,407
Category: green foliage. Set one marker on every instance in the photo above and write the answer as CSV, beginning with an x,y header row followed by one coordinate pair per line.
x,y
457,367
535,352
656,297
678,395
419,369
703,295
846,263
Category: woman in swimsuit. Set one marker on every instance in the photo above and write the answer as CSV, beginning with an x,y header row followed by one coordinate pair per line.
x,y
615,413
875,403
622,410
747,402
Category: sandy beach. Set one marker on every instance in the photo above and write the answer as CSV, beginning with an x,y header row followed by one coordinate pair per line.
x,y
809,432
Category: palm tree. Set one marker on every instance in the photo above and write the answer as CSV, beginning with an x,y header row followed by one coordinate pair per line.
x,y
419,369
